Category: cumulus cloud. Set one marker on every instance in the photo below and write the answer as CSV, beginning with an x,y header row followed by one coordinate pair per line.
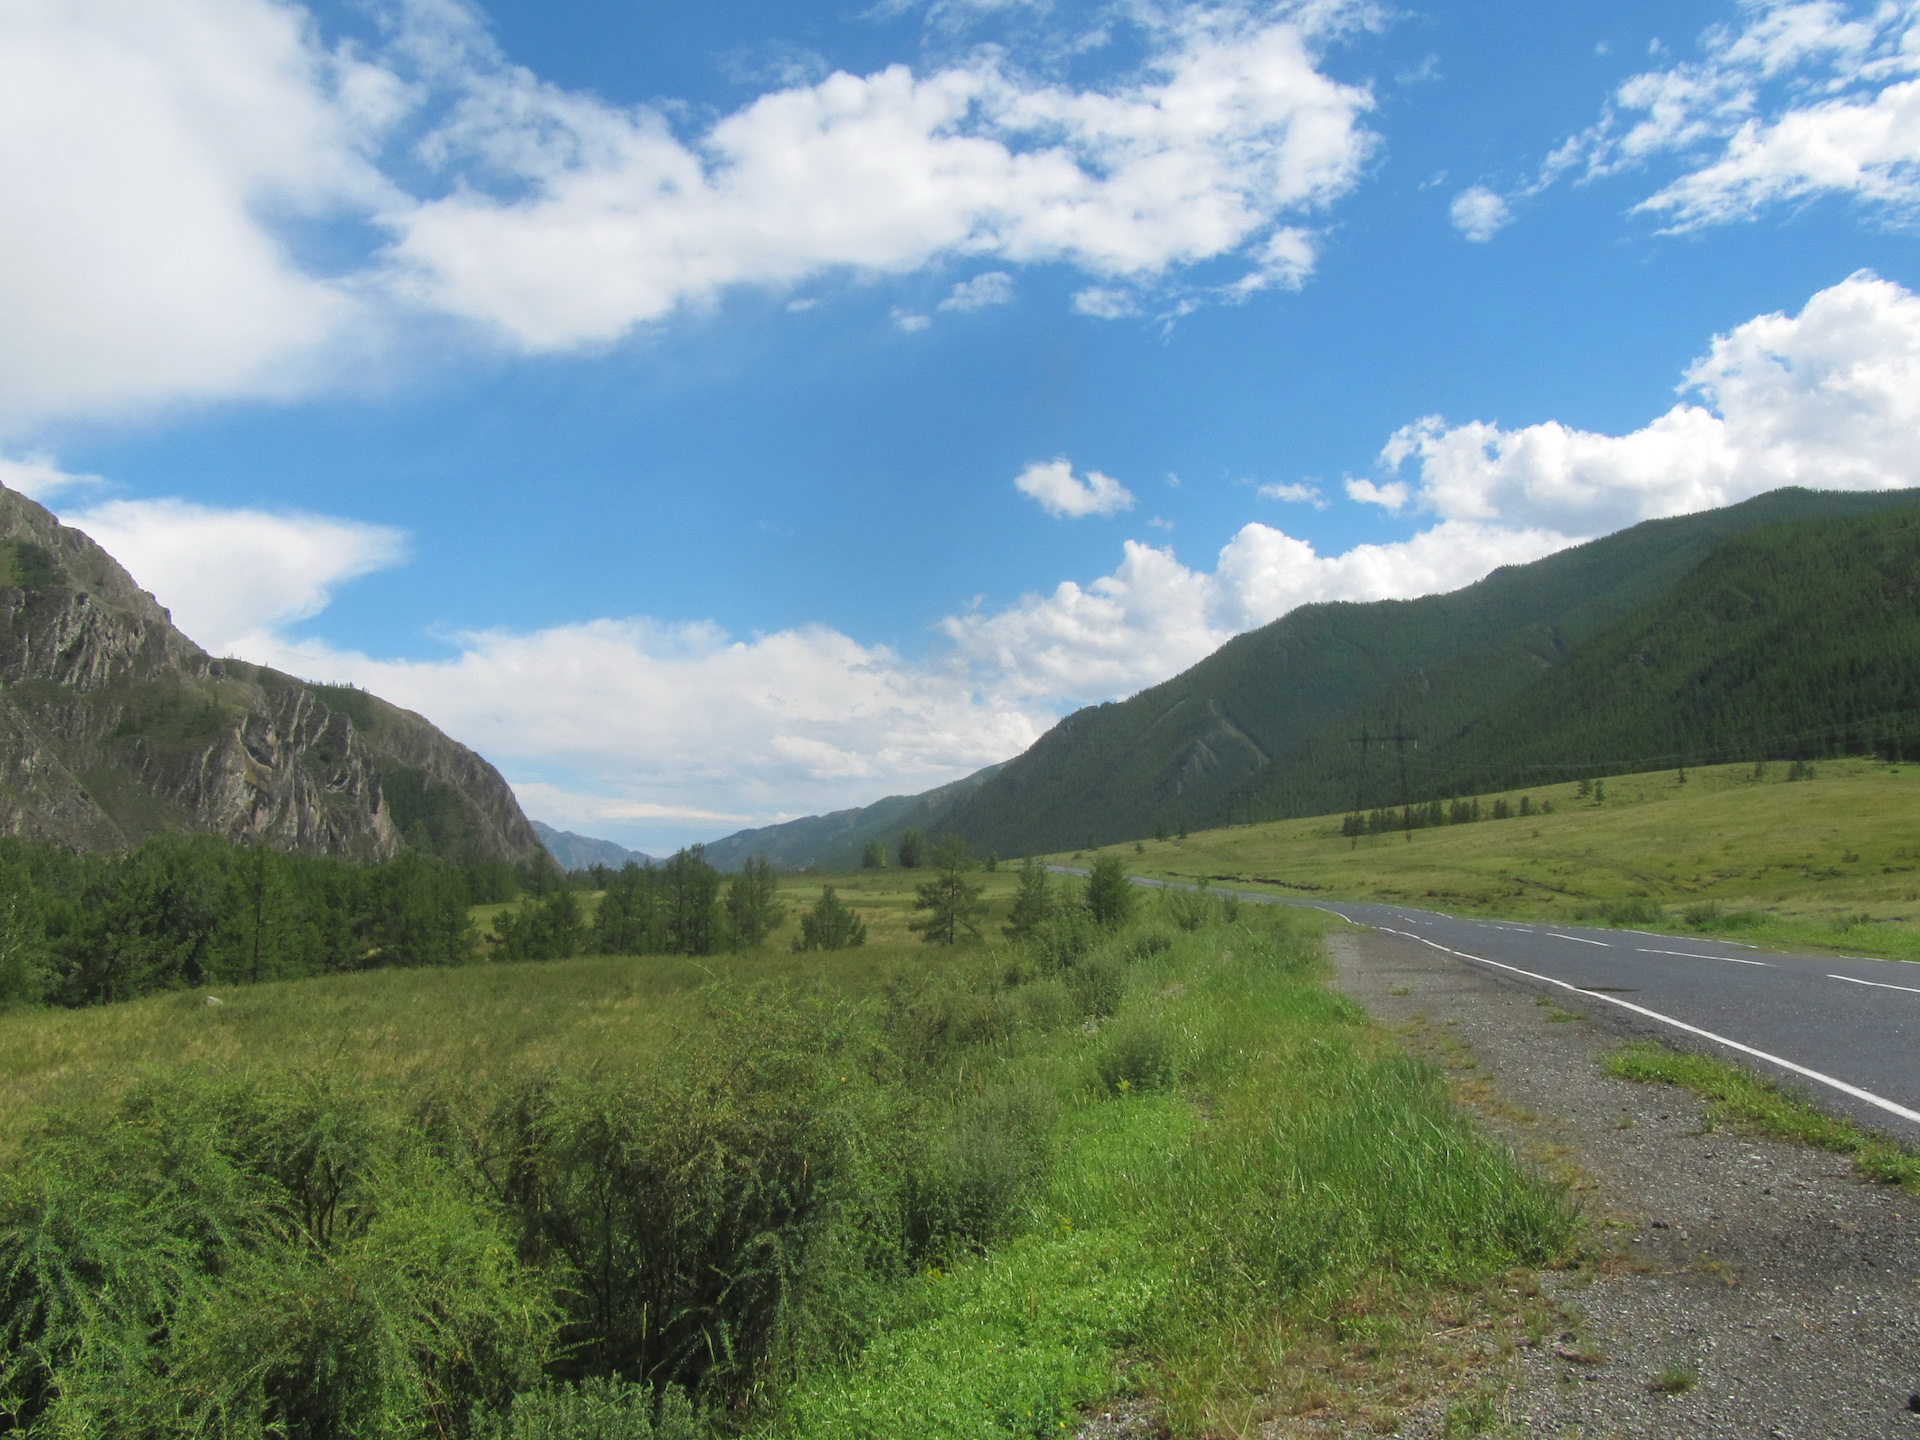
x,y
682,730
1479,214
146,146
1801,98
1154,616
1064,495
1828,398
995,287
1391,497
234,578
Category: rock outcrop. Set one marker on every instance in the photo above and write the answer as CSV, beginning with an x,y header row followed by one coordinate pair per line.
x,y
115,727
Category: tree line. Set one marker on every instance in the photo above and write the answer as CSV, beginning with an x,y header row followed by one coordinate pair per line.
x,y
188,911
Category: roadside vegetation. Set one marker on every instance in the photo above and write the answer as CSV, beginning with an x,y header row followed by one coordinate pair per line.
x,y
905,1187
1791,855
1739,1098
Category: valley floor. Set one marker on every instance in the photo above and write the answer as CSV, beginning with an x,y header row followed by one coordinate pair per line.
x,y
1743,1287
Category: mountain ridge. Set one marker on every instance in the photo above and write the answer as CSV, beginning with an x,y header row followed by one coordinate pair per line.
x,y
115,726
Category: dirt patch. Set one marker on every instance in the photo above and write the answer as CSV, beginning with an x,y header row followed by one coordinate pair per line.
x,y
1744,1287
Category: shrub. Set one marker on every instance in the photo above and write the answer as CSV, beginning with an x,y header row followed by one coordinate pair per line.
x,y
1110,895
1140,1053
832,924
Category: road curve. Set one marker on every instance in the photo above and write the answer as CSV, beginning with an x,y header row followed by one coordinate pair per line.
x,y
1847,1029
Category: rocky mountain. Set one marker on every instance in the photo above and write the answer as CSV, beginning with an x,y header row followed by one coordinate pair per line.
x,y
583,852
115,727
834,841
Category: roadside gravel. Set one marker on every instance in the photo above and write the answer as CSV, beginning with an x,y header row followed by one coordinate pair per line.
x,y
1750,1288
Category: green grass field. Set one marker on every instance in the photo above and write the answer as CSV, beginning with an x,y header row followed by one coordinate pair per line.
x,y
1829,864
895,1191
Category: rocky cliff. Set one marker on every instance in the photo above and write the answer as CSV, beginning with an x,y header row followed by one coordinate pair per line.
x,y
115,727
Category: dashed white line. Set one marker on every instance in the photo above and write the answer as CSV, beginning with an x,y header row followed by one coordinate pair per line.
x,y
1875,984
1695,955
1581,938
1842,1086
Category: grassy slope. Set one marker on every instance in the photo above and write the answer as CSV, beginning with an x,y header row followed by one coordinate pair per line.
x,y
1832,864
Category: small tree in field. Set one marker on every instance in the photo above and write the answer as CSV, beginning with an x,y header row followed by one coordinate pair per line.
x,y
913,847
874,856
1032,902
754,910
951,902
1110,895
830,925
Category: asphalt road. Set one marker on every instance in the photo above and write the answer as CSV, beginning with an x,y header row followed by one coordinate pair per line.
x,y
1848,1030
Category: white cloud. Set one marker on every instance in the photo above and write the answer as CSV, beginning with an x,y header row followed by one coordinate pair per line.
x,y
39,477
1153,616
1062,494
167,163
1828,398
1391,497
1294,494
147,146
1801,98
911,323
581,221
234,578
1103,302
684,730
995,287
1479,214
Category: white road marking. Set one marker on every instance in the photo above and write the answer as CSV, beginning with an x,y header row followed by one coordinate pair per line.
x,y
1695,955
1875,984
1581,938
1842,1086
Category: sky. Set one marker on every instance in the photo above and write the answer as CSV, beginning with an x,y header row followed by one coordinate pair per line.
x,y
721,414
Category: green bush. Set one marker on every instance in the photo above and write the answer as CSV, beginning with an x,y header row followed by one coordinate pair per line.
x,y
1141,1053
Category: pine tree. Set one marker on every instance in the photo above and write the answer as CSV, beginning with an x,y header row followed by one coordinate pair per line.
x,y
1032,902
830,925
952,902
754,910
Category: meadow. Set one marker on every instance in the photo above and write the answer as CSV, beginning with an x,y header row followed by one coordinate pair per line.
x,y
898,1190
1828,863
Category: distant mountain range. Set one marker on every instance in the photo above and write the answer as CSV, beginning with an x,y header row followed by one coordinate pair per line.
x,y
834,842
1787,625
115,727
583,852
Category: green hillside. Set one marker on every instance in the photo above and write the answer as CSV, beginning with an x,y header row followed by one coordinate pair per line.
x,y
1264,727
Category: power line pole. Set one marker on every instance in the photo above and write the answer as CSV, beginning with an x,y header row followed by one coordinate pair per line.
x,y
1399,740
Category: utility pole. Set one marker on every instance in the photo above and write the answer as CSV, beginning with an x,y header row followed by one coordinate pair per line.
x,y
1399,740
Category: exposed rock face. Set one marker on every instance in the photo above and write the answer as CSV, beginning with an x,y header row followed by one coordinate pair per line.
x,y
115,727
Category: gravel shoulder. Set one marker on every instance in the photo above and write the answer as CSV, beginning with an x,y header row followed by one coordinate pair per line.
x,y
1778,1294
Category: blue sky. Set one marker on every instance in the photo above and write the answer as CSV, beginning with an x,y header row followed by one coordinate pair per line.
x,y
721,414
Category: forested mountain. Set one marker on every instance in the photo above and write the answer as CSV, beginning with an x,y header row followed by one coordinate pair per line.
x,y
115,727
1267,726
583,852
834,841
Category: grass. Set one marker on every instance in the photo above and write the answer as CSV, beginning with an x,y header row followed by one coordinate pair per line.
x,y
1831,864
404,1027
1753,1103
1174,1162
